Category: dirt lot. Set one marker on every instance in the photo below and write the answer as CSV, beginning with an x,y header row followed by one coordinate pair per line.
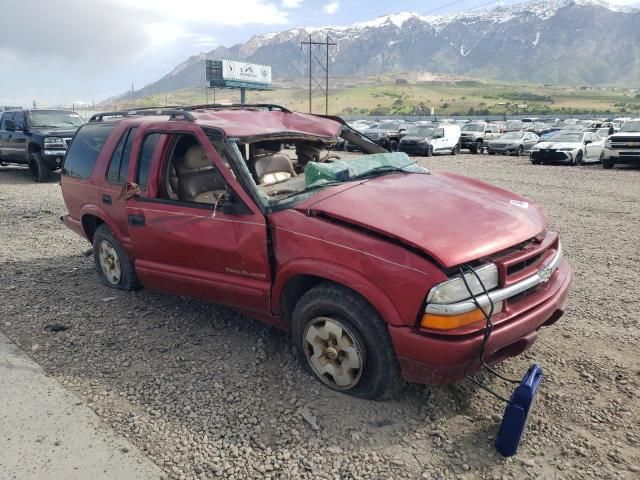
x,y
208,393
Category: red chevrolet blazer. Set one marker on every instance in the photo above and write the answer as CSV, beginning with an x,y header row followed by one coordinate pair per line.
x,y
380,269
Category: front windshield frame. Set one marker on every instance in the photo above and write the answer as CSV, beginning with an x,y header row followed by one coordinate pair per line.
x,y
57,119
421,131
268,204
630,126
511,136
388,125
568,137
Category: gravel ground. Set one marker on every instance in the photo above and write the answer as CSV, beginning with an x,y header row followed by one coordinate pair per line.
x,y
209,393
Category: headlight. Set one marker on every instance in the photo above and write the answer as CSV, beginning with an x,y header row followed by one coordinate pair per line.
x,y
535,148
386,134
607,143
53,141
566,149
454,290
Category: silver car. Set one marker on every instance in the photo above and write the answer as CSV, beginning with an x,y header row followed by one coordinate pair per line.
x,y
512,143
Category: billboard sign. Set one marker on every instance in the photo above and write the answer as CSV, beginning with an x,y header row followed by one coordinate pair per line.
x,y
234,71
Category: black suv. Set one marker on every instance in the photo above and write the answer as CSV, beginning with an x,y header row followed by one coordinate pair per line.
x,y
38,138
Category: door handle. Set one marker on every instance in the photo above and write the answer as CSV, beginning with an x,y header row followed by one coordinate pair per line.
x,y
106,199
136,220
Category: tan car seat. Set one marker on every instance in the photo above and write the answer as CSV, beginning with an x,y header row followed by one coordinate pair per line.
x,y
198,179
274,168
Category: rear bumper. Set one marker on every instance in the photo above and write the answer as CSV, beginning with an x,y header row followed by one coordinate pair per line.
x,y
74,225
439,359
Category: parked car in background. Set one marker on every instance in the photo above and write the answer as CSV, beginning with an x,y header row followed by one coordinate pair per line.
x,y
623,147
433,139
512,143
473,136
535,127
202,202
37,138
387,134
573,148
603,132
513,125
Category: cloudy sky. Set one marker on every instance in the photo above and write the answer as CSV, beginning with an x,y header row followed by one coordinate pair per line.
x,y
55,51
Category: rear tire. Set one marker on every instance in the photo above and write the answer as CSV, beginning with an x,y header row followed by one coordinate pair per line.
x,y
345,344
455,150
40,171
115,269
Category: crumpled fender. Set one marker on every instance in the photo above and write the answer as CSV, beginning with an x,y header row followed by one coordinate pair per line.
x,y
339,274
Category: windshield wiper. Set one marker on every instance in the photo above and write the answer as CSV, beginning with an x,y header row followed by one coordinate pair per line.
x,y
382,170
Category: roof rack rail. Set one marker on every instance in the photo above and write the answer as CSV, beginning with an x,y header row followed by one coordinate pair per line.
x,y
222,106
174,114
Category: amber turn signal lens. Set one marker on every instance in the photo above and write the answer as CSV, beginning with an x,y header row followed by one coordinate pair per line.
x,y
451,322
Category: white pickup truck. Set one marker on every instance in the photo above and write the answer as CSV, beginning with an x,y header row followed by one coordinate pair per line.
x,y
623,147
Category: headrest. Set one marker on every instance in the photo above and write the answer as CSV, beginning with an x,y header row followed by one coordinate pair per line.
x,y
195,158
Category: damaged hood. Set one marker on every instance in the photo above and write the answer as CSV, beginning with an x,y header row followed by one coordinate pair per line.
x,y
451,218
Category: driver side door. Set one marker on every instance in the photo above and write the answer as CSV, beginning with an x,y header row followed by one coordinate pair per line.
x,y
183,240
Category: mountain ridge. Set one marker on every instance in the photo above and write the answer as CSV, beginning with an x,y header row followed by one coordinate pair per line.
x,y
547,41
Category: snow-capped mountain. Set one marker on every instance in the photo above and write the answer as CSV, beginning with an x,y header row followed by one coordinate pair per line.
x,y
550,41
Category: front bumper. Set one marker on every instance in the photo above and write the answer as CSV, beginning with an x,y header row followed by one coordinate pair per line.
x,y
625,156
467,142
553,156
414,149
508,150
433,358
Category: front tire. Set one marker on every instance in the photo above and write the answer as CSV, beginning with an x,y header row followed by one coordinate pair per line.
x,y
429,150
393,146
115,269
520,151
40,170
478,147
343,341
607,163
578,159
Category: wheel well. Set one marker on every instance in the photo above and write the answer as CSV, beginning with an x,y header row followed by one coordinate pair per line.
x,y
297,286
89,224
33,148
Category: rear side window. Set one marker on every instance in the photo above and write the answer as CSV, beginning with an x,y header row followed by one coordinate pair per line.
x,y
119,165
5,117
85,149
146,155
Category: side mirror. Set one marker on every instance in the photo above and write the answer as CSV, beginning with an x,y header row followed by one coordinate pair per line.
x,y
232,205
587,142
10,125
129,191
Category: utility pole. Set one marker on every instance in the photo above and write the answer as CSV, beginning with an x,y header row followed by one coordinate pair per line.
x,y
325,67
133,97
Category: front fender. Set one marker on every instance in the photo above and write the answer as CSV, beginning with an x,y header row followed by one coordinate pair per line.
x,y
339,274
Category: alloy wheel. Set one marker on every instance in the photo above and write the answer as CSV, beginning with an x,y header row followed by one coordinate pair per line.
x,y
333,353
109,262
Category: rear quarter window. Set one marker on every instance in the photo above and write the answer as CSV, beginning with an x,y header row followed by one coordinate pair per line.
x,y
85,149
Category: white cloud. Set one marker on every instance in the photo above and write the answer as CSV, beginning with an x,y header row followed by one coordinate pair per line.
x,y
332,7
291,3
234,13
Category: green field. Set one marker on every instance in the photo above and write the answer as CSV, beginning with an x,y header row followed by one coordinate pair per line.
x,y
382,95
